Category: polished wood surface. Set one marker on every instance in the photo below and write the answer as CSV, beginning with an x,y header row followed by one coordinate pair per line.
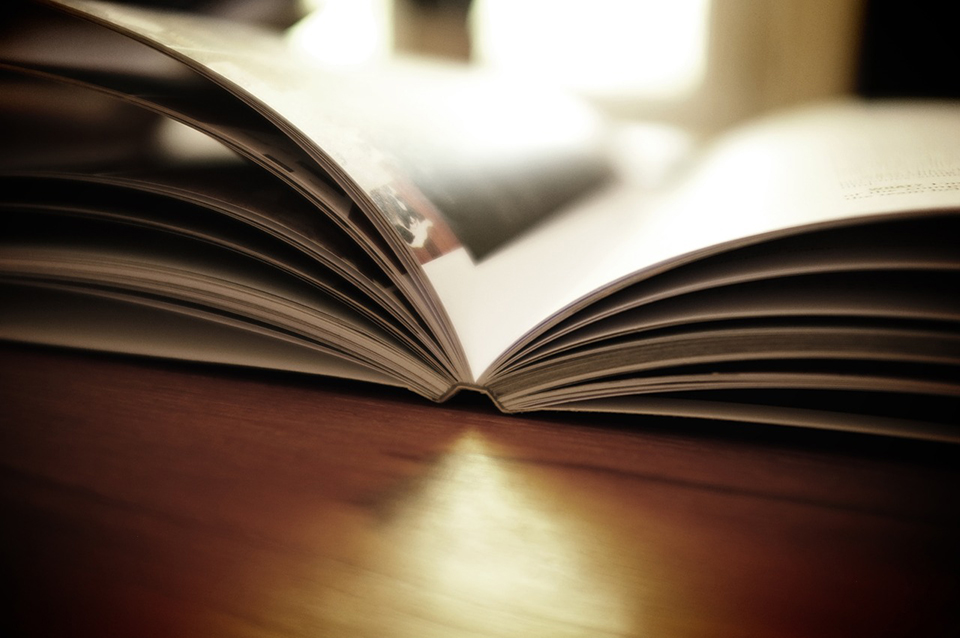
x,y
154,499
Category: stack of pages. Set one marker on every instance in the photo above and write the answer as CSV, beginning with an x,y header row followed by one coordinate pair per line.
x,y
183,188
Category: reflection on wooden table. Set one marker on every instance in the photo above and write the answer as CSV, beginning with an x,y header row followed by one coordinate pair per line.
x,y
155,499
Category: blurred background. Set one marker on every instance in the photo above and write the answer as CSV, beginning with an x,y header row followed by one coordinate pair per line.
x,y
700,65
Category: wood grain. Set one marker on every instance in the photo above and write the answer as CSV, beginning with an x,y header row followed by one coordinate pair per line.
x,y
156,499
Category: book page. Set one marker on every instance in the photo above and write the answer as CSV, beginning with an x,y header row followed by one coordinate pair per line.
x,y
107,322
814,166
438,160
449,157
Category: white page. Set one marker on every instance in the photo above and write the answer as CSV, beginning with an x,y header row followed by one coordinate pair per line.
x,y
813,166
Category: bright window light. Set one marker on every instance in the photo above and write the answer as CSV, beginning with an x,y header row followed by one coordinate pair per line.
x,y
346,32
641,48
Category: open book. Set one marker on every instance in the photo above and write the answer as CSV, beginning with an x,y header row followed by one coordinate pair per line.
x,y
439,230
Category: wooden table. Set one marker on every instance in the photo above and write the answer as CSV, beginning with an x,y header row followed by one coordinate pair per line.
x,y
145,498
